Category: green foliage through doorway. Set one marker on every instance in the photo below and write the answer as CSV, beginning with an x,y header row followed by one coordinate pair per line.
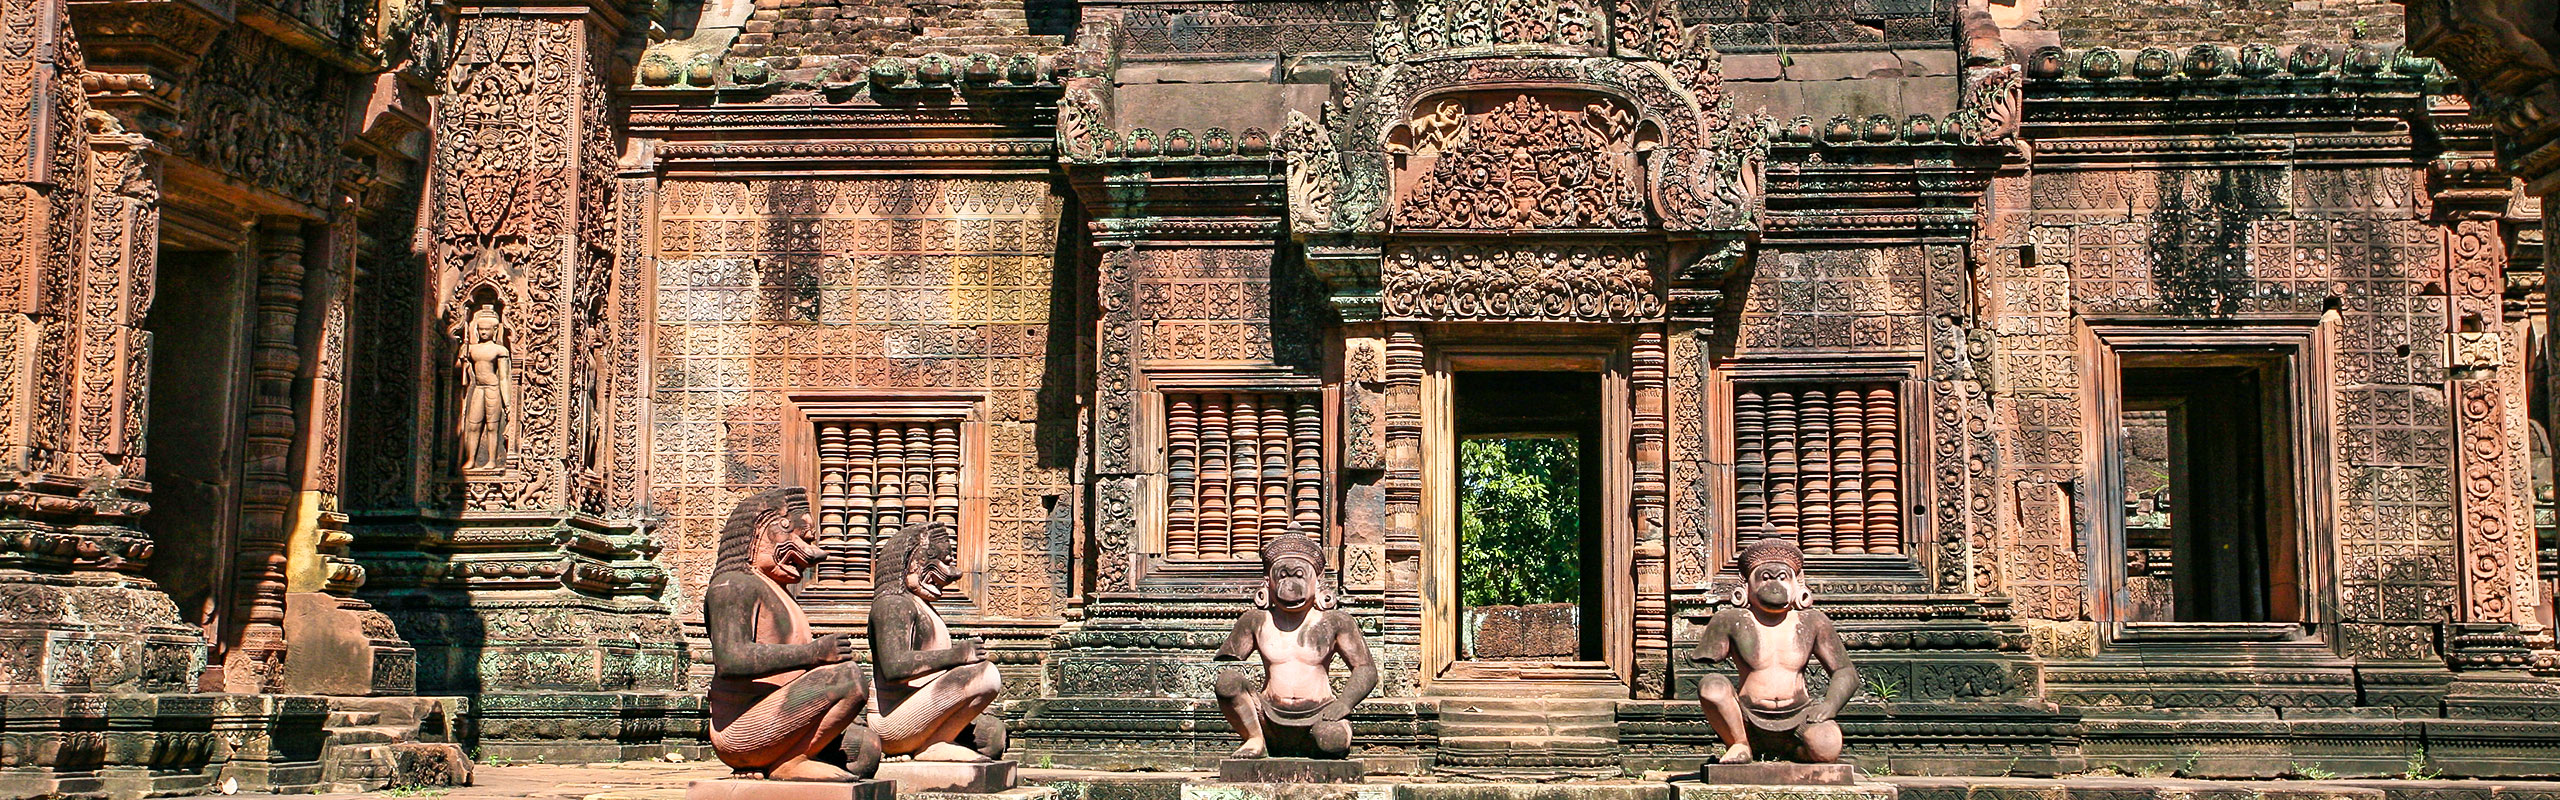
x,y
1519,521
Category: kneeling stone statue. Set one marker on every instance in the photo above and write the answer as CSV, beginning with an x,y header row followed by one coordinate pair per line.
x,y
1770,633
1298,633
779,696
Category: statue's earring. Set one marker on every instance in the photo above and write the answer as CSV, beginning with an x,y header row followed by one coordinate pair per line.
x,y
1739,594
1262,598
1804,599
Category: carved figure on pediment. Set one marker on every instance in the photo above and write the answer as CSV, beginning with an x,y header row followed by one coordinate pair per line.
x,y
1771,632
487,428
1298,632
779,695
1436,132
934,686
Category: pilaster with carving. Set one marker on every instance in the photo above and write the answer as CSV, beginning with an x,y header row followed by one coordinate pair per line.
x,y
528,572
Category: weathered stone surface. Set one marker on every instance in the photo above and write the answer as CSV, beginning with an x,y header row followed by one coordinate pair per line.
x,y
1291,770
1780,773
1288,791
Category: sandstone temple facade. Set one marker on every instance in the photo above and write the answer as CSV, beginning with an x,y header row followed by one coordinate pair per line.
x,y
2154,385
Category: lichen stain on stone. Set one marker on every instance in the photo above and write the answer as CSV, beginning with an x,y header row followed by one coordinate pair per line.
x,y
2199,250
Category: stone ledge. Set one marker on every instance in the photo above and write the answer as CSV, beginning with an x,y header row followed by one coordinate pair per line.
x,y
752,789
1291,770
1862,791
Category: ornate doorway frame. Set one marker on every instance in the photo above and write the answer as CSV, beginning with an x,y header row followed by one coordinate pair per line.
x,y
1608,356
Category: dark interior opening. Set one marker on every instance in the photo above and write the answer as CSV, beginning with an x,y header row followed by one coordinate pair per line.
x,y
1529,494
199,361
2209,531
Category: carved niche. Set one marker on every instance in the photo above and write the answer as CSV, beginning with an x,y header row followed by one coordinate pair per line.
x,y
1540,160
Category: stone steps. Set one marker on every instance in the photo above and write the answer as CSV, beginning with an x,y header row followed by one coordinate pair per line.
x,y
1542,739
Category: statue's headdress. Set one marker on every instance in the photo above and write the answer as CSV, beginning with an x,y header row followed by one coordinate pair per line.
x,y
738,535
1773,548
913,547
1295,545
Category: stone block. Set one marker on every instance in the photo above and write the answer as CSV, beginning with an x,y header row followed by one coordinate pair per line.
x,y
1291,770
1858,791
747,789
1782,773
1544,630
1841,66
1754,67
963,777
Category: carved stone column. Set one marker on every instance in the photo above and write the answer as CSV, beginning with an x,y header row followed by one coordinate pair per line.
x,y
521,583
2508,60
78,229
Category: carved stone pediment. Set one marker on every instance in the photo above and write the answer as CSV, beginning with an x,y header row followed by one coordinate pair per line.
x,y
1507,161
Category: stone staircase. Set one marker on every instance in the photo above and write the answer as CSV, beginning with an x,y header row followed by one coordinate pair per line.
x,y
1528,739
381,742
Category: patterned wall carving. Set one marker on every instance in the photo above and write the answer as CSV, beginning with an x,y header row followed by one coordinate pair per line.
x,y
1551,282
2180,243
1836,299
768,286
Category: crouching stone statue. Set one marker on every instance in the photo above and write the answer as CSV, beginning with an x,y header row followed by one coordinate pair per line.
x,y
1298,632
934,687
1770,632
779,696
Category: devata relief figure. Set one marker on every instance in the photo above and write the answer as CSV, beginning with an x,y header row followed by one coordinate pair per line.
x,y
1770,632
1298,632
933,685
778,695
488,392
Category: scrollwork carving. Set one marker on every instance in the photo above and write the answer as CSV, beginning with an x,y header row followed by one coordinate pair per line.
x,y
1579,283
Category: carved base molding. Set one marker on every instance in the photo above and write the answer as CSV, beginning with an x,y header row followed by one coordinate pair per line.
x,y
124,746
1907,738
1395,735
589,727
91,632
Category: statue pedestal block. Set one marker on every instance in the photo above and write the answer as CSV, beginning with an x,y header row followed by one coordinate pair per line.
x,y
955,777
1291,770
1690,790
1781,773
751,789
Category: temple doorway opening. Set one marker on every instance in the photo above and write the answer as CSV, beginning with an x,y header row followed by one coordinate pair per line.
x,y
199,360
2208,527
1529,515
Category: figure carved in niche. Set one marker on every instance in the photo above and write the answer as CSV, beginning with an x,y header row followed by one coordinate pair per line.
x,y
1439,131
1297,630
488,392
1770,632
933,685
779,696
